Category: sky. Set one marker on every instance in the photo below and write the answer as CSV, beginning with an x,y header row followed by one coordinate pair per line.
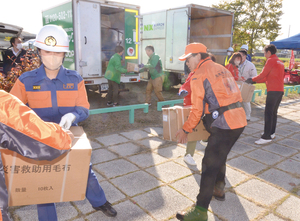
x,y
28,13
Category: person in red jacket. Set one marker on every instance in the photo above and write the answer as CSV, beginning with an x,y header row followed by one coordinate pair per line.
x,y
234,62
22,131
273,75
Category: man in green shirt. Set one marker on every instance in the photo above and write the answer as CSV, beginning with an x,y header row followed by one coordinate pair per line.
x,y
113,75
154,68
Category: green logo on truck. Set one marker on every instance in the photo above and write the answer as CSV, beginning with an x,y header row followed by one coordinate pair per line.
x,y
148,27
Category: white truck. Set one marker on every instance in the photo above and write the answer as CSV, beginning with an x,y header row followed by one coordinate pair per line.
x,y
169,31
95,28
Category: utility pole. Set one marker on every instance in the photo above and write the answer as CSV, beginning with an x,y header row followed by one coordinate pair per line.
x,y
289,30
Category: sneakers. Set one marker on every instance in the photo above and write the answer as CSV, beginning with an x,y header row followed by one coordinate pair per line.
x,y
189,160
107,209
203,143
262,141
197,213
272,135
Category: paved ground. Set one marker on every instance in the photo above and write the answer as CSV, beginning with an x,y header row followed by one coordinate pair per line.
x,y
146,178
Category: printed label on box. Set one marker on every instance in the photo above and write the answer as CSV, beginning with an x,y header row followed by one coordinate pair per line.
x,y
165,118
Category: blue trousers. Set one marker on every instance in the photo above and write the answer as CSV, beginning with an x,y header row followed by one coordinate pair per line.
x,y
94,194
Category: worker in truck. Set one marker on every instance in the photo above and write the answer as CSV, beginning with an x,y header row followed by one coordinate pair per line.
x,y
22,131
58,95
215,94
154,68
113,75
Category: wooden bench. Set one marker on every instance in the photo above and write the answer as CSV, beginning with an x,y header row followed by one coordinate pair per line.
x,y
258,92
131,109
171,103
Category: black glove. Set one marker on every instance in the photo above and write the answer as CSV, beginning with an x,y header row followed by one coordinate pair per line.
x,y
250,81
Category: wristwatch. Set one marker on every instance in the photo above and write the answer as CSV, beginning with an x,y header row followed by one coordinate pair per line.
x,y
185,131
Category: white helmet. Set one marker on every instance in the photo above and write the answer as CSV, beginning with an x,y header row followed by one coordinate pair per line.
x,y
244,47
52,38
230,49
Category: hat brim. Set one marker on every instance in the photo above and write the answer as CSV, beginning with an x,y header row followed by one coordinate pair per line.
x,y
183,57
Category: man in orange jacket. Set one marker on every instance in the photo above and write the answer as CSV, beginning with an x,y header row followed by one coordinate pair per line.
x,y
215,94
22,131
273,76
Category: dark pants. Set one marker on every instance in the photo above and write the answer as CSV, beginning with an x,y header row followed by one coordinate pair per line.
x,y
219,145
272,104
113,90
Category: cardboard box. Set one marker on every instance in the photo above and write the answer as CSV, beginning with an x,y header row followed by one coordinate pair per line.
x,y
173,120
37,182
247,90
132,67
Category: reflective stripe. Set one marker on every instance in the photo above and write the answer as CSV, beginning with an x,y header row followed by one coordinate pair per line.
x,y
52,46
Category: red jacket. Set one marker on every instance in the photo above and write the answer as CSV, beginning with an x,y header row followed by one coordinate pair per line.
x,y
272,74
234,71
186,87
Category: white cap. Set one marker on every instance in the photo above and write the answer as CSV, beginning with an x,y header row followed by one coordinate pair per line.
x,y
230,49
52,38
244,47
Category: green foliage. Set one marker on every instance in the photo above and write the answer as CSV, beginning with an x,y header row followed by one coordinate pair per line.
x,y
254,20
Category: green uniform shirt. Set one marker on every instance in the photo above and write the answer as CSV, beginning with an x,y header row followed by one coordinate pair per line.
x,y
114,69
154,66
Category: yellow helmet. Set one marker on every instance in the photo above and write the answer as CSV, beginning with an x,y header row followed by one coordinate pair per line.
x,y
52,38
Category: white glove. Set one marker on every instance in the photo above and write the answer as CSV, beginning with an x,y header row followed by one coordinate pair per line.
x,y
67,120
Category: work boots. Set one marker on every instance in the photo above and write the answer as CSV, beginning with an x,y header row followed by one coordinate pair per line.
x,y
197,213
107,209
219,194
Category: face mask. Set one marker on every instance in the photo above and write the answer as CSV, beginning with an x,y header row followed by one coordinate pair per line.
x,y
52,62
237,63
228,53
19,46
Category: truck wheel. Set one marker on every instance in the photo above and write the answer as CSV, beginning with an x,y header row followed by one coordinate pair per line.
x,y
173,78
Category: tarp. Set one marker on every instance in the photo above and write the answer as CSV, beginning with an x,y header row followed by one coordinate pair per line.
x,y
292,43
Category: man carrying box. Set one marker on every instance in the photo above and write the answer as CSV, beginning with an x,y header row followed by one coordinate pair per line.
x,y
22,131
58,95
215,93
154,67
113,75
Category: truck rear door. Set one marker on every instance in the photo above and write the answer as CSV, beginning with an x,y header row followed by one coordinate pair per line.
x,y
89,39
177,37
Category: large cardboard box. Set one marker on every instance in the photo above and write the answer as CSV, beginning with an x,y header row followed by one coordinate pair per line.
x,y
38,182
173,120
132,67
247,90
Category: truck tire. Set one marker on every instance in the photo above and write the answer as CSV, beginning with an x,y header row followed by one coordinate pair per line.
x,y
173,78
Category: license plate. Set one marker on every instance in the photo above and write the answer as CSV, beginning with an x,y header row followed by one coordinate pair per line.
x,y
104,87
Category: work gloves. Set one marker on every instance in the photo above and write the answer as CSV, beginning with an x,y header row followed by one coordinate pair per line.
x,y
250,81
67,120
141,65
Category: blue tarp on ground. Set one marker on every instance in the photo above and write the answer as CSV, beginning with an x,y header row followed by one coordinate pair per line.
x,y
292,43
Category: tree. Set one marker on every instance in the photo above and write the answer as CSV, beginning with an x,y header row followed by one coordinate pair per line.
x,y
254,21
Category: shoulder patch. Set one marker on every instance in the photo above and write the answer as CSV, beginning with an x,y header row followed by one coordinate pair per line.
x,y
36,87
194,79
